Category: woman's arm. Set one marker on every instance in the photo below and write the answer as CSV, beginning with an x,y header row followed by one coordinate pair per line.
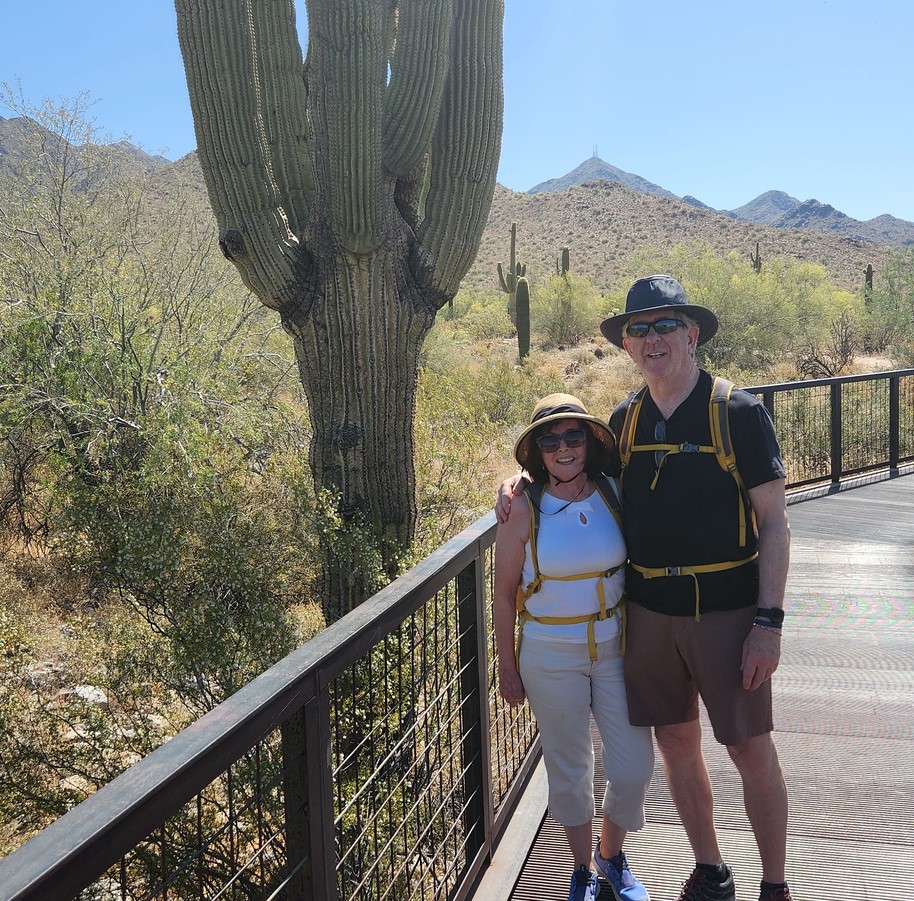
x,y
510,541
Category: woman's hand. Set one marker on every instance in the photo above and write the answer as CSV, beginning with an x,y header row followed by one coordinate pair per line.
x,y
511,686
507,491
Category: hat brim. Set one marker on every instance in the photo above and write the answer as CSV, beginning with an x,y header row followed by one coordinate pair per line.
x,y
613,327
523,447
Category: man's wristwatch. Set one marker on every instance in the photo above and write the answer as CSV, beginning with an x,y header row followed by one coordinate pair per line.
x,y
774,615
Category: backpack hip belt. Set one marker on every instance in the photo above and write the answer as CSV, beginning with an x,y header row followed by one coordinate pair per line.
x,y
525,616
659,572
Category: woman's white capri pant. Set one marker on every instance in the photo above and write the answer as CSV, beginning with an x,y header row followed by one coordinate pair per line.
x,y
564,686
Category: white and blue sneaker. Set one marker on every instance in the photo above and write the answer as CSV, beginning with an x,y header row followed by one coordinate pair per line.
x,y
585,886
625,885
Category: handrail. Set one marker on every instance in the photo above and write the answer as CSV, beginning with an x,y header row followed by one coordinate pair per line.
x,y
73,852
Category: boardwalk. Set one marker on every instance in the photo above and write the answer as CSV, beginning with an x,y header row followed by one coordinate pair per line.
x,y
844,715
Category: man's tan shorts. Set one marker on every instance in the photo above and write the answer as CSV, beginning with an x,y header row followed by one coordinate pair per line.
x,y
671,660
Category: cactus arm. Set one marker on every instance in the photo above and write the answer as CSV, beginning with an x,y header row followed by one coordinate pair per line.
x,y
251,132
466,145
501,279
347,82
418,68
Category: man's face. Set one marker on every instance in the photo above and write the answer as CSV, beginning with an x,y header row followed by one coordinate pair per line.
x,y
661,355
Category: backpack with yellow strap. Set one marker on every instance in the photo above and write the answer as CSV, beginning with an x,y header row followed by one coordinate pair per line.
x,y
534,494
722,448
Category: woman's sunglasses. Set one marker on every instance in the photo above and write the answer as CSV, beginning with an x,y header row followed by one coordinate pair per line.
x,y
549,444
661,327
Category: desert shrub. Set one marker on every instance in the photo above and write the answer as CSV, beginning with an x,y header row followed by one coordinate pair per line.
x,y
485,319
466,424
565,309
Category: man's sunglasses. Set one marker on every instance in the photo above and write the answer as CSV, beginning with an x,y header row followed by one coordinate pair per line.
x,y
549,444
661,327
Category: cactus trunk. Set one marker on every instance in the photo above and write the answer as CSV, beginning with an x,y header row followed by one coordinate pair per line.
x,y
522,295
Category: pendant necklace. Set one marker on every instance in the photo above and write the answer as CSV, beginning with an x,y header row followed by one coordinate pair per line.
x,y
567,505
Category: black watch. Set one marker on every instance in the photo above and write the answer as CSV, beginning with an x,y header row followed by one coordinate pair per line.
x,y
775,615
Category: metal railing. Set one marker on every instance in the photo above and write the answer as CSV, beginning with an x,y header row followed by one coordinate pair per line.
x,y
377,761
833,428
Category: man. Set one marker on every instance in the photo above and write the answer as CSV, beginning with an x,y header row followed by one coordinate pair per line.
x,y
708,556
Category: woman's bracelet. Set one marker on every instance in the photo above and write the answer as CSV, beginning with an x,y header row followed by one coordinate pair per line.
x,y
767,624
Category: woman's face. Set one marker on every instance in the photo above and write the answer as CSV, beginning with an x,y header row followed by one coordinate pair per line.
x,y
562,461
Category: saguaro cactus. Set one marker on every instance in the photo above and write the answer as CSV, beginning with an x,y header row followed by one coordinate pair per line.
x,y
868,281
522,293
351,190
563,263
757,259
508,280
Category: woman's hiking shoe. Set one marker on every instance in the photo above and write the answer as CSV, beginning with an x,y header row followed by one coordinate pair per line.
x,y
616,871
584,885
702,886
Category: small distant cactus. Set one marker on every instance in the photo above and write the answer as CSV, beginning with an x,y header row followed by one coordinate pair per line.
x,y
757,259
868,276
563,264
523,317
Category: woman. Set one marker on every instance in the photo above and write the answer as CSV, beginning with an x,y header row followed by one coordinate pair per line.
x,y
565,586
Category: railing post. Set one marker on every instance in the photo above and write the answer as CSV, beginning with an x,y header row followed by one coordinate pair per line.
x,y
308,796
479,815
894,421
299,886
836,445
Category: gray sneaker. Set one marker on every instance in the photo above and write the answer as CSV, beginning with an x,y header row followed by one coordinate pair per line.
x,y
625,885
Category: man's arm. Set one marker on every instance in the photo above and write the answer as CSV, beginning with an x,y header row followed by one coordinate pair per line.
x,y
762,648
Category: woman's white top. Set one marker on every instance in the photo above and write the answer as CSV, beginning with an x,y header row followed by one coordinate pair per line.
x,y
582,538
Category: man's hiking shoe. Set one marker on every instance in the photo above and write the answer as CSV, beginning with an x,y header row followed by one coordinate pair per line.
x,y
781,893
702,886
616,871
584,885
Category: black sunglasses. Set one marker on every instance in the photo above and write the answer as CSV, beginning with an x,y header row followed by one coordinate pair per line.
x,y
661,327
549,444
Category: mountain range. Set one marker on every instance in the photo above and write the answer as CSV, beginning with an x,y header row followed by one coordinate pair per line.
x,y
603,214
774,208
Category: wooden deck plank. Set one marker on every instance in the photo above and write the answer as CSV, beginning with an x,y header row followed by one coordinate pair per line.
x,y
844,718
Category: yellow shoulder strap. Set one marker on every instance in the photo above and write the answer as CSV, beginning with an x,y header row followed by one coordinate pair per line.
x,y
627,432
719,413
610,498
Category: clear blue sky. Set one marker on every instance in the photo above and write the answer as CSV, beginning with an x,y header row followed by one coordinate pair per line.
x,y
716,99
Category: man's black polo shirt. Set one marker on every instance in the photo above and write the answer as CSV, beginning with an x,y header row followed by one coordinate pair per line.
x,y
692,515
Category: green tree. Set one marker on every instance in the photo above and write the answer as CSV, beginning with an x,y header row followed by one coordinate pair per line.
x,y
769,316
889,321
351,191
